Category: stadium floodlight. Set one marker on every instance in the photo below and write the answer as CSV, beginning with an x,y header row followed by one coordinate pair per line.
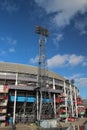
x,y
42,31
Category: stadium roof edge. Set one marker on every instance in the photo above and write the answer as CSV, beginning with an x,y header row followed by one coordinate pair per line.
x,y
24,68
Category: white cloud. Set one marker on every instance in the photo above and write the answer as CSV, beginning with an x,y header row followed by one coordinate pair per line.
x,y
85,63
58,60
82,82
8,40
10,44
64,10
11,41
75,76
65,60
11,50
75,60
58,38
9,6
81,25
34,60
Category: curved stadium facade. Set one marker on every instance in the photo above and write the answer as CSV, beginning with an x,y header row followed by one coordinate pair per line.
x,y
18,94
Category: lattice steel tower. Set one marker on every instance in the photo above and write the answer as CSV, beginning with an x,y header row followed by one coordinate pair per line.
x,y
42,61
43,79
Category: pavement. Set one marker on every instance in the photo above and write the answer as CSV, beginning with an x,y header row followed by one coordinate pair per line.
x,y
32,126
78,122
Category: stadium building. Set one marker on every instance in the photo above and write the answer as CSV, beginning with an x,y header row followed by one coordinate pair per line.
x,y
19,101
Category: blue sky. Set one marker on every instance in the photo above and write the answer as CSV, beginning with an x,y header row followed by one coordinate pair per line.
x,y
66,45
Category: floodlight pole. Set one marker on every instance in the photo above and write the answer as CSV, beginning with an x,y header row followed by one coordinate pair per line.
x,y
41,65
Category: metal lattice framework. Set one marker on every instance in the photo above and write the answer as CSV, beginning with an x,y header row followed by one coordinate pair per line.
x,y
44,108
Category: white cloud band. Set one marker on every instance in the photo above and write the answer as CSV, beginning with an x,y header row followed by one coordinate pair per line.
x,y
63,60
64,10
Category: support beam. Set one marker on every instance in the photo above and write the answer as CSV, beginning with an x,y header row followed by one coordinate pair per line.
x,y
37,105
14,111
76,108
71,100
65,99
54,98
